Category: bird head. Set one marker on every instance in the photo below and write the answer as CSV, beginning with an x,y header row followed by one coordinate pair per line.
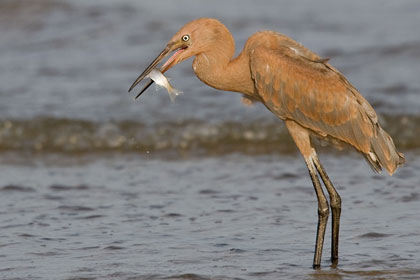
x,y
192,39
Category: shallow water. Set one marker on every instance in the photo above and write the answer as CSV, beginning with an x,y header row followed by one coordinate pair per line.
x,y
97,186
230,217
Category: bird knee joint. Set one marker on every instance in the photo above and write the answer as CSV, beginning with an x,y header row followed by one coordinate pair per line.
x,y
323,211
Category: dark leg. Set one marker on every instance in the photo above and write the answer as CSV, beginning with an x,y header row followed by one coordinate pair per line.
x,y
323,211
335,202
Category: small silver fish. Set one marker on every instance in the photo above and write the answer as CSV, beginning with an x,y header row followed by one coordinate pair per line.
x,y
162,81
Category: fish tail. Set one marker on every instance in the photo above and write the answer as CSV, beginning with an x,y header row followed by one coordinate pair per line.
x,y
173,92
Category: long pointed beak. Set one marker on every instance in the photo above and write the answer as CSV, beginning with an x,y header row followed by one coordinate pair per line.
x,y
149,68
144,88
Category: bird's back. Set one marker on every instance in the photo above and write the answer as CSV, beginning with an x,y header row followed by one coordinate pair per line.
x,y
296,84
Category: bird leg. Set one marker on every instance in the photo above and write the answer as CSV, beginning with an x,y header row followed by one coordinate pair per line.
x,y
301,137
335,204
323,210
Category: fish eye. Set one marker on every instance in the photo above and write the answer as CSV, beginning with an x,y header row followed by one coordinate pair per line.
x,y
185,38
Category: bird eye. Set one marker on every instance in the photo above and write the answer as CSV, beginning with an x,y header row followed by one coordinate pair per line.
x,y
185,38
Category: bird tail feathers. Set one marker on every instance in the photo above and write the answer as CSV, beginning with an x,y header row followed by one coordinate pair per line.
x,y
383,153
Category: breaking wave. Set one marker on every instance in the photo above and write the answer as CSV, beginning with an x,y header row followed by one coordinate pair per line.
x,y
193,136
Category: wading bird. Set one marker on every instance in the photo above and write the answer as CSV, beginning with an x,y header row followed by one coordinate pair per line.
x,y
312,97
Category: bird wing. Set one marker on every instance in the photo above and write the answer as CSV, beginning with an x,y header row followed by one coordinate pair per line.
x,y
312,93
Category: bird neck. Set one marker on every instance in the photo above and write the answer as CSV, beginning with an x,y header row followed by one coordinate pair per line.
x,y
217,68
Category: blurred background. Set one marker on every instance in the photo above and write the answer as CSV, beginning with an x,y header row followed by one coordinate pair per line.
x,y
90,176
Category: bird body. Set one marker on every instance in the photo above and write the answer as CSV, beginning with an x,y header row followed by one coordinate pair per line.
x,y
296,84
299,87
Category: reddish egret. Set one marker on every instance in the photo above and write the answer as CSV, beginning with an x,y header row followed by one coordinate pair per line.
x,y
312,97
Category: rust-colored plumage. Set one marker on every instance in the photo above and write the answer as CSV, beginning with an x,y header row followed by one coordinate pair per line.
x,y
298,86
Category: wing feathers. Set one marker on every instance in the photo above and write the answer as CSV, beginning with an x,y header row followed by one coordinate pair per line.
x,y
313,94
296,84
